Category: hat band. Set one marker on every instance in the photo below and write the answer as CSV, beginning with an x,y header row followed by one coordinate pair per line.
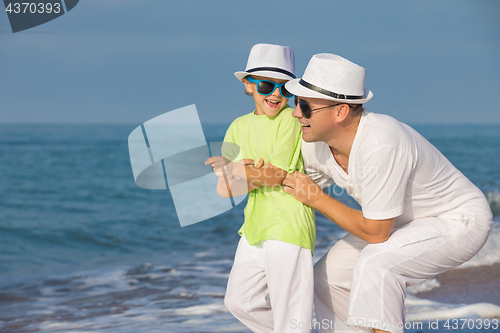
x,y
327,92
272,69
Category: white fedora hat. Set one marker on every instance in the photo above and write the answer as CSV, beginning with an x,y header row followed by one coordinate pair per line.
x,y
329,76
274,61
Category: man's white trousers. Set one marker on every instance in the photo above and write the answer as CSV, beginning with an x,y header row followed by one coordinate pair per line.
x,y
361,286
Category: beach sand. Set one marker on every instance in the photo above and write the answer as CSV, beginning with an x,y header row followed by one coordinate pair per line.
x,y
467,286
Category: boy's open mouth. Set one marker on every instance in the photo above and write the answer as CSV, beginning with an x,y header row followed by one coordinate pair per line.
x,y
272,103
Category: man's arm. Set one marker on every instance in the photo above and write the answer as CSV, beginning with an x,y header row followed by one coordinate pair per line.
x,y
304,189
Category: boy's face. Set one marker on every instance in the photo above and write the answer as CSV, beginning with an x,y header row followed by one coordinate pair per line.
x,y
269,105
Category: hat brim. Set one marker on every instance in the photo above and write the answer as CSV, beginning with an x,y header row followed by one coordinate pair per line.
x,y
297,89
274,75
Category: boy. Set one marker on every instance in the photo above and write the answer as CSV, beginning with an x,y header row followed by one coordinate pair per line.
x,y
270,286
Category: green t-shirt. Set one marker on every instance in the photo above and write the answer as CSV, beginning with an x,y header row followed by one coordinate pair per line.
x,y
270,212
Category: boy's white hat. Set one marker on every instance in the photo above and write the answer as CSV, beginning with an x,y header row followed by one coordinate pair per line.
x,y
329,76
274,61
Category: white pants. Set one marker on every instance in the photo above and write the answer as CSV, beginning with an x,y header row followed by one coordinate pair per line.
x,y
361,286
271,287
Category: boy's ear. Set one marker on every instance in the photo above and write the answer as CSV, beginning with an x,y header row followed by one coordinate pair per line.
x,y
248,85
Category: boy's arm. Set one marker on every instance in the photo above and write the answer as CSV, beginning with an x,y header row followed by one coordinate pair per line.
x,y
268,175
229,187
233,187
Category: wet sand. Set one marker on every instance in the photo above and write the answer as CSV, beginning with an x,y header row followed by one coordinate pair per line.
x,y
467,286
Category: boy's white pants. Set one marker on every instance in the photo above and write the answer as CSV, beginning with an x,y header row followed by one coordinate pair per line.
x,y
360,286
271,287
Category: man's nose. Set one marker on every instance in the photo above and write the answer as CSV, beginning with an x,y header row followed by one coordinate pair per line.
x,y
297,113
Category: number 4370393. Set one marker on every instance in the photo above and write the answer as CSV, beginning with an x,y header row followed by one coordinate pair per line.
x,y
33,8
471,324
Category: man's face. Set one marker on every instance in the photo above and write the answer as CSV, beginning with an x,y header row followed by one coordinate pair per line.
x,y
318,125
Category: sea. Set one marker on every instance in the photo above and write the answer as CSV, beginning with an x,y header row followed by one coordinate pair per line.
x,y
84,249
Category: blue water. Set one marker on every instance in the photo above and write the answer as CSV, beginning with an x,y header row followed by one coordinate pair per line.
x,y
83,248
68,199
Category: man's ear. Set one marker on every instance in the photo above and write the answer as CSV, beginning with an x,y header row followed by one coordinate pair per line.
x,y
248,85
342,112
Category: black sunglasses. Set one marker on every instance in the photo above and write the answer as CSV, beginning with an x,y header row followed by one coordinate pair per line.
x,y
306,110
266,88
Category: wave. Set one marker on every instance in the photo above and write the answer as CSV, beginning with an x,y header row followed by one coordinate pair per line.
x,y
424,310
494,201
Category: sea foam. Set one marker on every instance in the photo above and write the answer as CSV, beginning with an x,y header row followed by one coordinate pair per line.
x,y
418,309
490,253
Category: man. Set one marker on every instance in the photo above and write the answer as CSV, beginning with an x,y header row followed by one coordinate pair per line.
x,y
420,216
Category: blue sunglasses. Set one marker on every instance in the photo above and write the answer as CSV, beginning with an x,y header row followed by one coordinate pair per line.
x,y
267,87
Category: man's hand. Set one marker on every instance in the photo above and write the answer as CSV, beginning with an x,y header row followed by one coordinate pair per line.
x,y
302,187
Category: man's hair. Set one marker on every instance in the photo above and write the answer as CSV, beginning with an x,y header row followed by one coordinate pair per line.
x,y
355,109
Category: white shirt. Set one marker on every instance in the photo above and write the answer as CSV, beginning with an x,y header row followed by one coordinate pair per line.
x,y
395,172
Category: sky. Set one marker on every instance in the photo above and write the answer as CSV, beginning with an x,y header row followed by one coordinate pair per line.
x,y
127,61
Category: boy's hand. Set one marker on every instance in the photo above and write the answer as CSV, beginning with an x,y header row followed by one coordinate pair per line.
x,y
219,162
251,162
